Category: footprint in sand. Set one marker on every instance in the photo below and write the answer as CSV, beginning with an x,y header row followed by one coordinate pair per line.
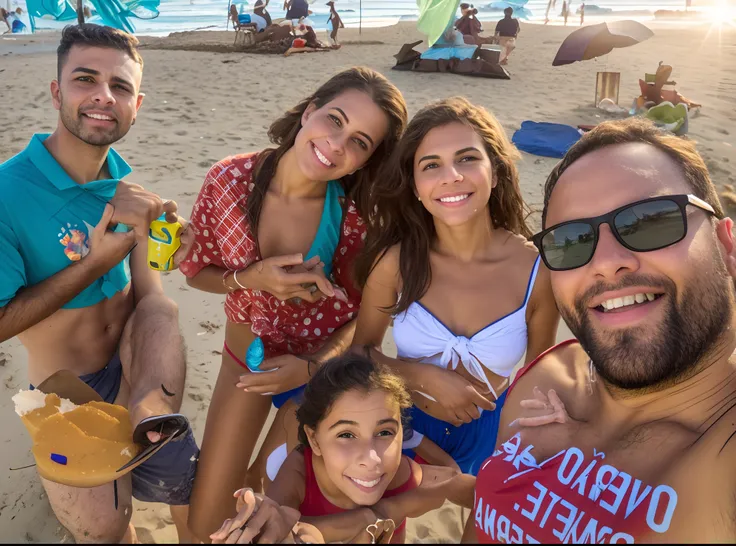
x,y
210,327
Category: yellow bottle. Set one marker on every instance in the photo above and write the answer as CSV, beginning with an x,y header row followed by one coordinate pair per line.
x,y
163,242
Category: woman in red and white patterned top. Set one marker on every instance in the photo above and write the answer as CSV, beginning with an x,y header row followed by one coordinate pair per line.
x,y
277,232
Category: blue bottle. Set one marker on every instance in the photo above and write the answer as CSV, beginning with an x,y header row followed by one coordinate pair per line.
x,y
255,355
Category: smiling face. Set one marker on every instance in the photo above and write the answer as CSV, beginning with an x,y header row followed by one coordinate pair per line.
x,y
97,94
645,318
453,174
359,442
338,138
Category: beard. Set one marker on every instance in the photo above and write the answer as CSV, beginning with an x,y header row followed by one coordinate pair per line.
x,y
74,123
648,357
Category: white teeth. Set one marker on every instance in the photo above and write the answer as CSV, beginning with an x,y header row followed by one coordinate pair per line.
x,y
366,484
625,301
322,158
98,116
455,198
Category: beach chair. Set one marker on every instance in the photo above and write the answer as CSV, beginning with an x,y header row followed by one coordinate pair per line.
x,y
246,35
243,31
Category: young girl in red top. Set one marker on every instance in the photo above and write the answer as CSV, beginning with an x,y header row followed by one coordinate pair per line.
x,y
349,457
277,232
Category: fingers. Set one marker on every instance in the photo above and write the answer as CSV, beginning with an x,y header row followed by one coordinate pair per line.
x,y
284,261
310,278
340,294
309,296
170,209
557,404
539,395
322,283
311,263
247,503
481,401
256,383
472,412
104,222
186,239
536,421
249,506
256,523
219,536
534,404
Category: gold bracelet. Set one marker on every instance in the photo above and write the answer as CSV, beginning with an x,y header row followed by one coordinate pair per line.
x,y
224,279
235,276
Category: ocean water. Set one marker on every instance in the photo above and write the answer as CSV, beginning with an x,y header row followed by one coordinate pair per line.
x,y
182,15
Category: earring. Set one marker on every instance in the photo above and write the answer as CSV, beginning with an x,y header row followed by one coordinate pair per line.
x,y
591,377
419,198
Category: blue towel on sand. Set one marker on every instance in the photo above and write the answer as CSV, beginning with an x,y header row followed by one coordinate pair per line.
x,y
545,139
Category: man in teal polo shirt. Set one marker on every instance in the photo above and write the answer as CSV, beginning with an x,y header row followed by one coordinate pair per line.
x,y
75,286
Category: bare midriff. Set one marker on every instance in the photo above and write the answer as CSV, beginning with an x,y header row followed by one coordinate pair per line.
x,y
80,340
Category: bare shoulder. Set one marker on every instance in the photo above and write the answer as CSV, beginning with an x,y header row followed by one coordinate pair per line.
x,y
386,268
564,369
289,487
519,245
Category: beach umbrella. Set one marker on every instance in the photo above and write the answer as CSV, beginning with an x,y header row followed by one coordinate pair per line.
x,y
435,16
597,40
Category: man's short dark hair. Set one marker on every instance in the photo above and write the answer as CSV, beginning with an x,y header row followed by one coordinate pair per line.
x,y
508,12
632,130
89,35
464,6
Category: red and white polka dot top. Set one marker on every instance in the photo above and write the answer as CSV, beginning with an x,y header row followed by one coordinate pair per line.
x,y
224,238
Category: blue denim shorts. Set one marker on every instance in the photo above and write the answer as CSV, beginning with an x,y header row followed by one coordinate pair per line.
x,y
470,444
166,477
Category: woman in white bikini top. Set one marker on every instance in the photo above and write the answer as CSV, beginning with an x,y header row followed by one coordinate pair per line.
x,y
447,256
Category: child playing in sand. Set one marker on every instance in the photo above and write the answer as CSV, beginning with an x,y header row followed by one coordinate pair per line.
x,y
349,457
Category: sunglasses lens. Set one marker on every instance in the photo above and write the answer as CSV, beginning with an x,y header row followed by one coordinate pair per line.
x,y
568,246
651,225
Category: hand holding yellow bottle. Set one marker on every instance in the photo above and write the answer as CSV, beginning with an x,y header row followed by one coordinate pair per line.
x,y
163,242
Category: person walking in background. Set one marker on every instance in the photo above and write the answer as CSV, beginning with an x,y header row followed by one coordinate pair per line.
x,y
336,22
507,29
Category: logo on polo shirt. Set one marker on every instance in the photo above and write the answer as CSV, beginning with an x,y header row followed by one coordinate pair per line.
x,y
74,241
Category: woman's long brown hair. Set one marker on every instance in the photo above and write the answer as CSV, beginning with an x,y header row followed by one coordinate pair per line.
x,y
399,218
284,130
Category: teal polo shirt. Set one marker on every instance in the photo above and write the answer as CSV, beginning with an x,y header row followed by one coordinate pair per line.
x,y
46,219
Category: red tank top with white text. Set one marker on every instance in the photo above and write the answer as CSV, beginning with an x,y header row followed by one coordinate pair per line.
x,y
573,496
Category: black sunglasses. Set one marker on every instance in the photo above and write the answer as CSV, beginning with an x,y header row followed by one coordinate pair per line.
x,y
643,226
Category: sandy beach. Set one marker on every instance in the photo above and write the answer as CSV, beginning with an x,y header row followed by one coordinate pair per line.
x,y
205,101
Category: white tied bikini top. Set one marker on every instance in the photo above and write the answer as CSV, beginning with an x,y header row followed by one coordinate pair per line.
x,y
498,347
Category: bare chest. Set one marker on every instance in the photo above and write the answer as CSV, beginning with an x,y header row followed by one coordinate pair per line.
x,y
467,299
288,227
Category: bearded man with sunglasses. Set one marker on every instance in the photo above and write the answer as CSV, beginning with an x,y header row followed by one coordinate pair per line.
x,y
629,434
